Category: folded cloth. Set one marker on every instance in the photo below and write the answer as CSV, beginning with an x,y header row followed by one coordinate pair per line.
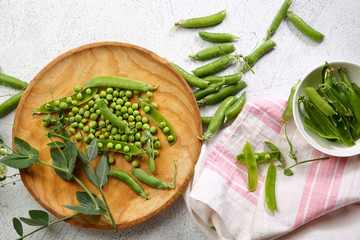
x,y
217,195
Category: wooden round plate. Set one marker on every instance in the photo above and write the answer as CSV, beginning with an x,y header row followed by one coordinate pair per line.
x,y
175,100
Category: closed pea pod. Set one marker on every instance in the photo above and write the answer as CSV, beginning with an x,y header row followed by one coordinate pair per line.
x,y
289,107
304,27
218,118
10,104
229,79
235,109
189,78
12,82
251,166
214,66
119,82
201,93
213,51
129,180
319,101
217,37
222,93
251,59
270,187
202,21
278,18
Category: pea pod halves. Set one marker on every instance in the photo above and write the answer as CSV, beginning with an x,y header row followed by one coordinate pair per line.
x,y
120,147
119,82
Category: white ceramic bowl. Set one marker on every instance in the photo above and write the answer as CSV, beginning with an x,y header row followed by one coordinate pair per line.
x,y
313,79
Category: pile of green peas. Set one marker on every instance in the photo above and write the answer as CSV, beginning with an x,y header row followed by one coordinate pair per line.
x,y
88,119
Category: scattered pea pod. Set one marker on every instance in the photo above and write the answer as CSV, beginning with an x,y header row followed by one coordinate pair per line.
x,y
189,78
217,37
289,107
201,93
278,18
214,66
234,110
229,79
304,27
251,59
222,93
159,120
213,51
66,102
12,82
260,157
218,118
119,82
10,104
122,125
120,147
270,187
319,101
202,21
274,148
129,180
251,166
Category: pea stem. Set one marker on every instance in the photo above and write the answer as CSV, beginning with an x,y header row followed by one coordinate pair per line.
x,y
87,191
306,161
292,153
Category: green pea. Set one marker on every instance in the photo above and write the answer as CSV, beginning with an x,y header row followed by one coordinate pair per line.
x,y
92,131
128,94
103,94
88,91
138,144
84,121
136,113
57,102
79,96
114,130
78,118
153,130
124,138
92,110
68,99
101,137
137,136
72,130
144,120
81,126
131,138
75,109
94,116
146,126
155,138
170,138
63,105
131,118
96,96
166,129
118,146
124,109
87,140
91,103
132,125
97,134
135,106
138,125
109,90
117,137
91,136
128,157
138,118
136,92
71,119
122,93
100,145
107,135
142,140
111,160
147,100
81,111
120,102
109,97
116,93
156,153
157,144
154,105
130,111
110,145
135,164
113,105
125,115
93,124
86,107
126,149
126,99
149,94
78,137
77,88
86,129
162,125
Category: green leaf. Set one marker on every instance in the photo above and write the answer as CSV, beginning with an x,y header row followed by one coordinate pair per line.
x,y
82,157
84,199
93,149
24,148
85,210
18,161
18,226
58,161
288,172
90,175
39,214
102,170
55,128
70,152
59,144
64,132
34,222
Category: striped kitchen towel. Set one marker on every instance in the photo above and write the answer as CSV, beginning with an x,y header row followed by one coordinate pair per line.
x,y
218,196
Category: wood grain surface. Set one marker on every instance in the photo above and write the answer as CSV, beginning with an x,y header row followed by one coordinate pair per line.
x,y
175,101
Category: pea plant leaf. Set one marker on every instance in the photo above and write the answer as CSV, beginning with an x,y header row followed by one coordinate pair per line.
x,y
24,147
102,170
55,128
85,210
34,222
82,157
58,161
92,149
288,172
59,144
18,226
70,153
84,199
39,214
90,175
19,161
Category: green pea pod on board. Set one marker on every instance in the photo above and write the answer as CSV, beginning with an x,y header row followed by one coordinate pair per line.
x,y
214,66
119,82
205,21
189,78
251,166
217,37
213,51
159,120
67,102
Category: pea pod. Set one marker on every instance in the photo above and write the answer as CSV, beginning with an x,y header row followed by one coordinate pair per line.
x,y
274,148
218,118
234,110
51,107
189,78
354,101
319,101
217,37
10,104
122,125
251,59
278,18
342,131
160,121
206,120
251,166
229,79
119,82
270,187
202,21
120,147
304,27
260,157
201,93
356,89
214,66
12,82
314,126
289,107
333,99
344,77
213,51
129,180
222,93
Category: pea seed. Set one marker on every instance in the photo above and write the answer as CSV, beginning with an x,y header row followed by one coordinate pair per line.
x,y
57,102
131,118
153,130
154,105
122,93
162,125
97,106
146,99
78,137
170,138
114,130
146,126
86,129
86,107
68,99
128,157
81,126
124,138
142,140
77,88
135,106
48,106
79,96
136,92
109,97
93,124
88,91
131,138
125,115
75,109
91,136
109,127
111,160
87,114
166,129
92,110
117,137
94,116
130,111
71,119
118,146
126,149
126,99
135,164
110,145
124,109
155,138
102,94
146,109
149,94
97,134
74,102
72,130
138,125
138,118
91,103
120,102
98,112
138,144
102,123
92,131
136,113
128,93
109,90
100,145
101,137
107,134
74,125
63,105
87,140
116,93
156,153
157,144
144,120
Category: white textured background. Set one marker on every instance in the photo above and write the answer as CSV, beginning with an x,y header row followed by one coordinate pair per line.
x,y
32,33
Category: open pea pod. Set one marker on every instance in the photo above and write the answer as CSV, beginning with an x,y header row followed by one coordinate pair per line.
x,y
51,106
159,120
260,157
120,147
